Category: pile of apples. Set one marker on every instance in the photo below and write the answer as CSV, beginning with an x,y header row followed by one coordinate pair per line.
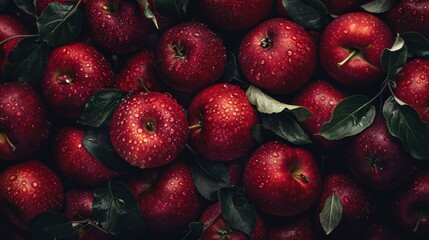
x,y
214,119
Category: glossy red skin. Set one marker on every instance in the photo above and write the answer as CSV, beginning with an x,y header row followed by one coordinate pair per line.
x,y
358,30
78,204
41,5
383,232
203,61
27,189
340,7
227,117
269,182
298,229
321,98
88,70
23,120
410,16
358,208
220,229
75,162
235,170
284,66
393,166
172,201
409,201
412,86
141,65
9,26
235,15
120,31
140,147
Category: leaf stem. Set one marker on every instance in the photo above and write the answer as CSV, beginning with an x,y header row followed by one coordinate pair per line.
x,y
18,36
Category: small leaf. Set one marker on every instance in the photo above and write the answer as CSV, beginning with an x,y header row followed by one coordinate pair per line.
x,y
60,23
311,14
267,104
350,117
97,142
331,214
26,6
117,211
236,210
195,231
284,126
395,57
100,107
378,6
27,61
404,123
230,71
52,226
148,12
417,44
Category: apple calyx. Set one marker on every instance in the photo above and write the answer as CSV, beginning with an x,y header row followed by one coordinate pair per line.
x,y
4,138
150,126
350,56
266,42
64,79
179,51
224,233
375,163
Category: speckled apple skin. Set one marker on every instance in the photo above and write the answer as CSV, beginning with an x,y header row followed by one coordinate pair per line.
x,y
78,204
410,16
9,26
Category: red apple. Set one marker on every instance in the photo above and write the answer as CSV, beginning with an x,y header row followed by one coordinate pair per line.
x,y
281,180
41,5
78,204
28,189
163,22
9,27
410,16
278,55
351,48
190,56
149,130
73,73
24,127
221,117
412,86
340,7
296,229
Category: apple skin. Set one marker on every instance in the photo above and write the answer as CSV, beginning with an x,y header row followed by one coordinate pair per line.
x,y
359,31
75,162
235,15
412,86
41,5
410,16
167,197
296,229
220,229
225,117
409,202
9,26
376,159
358,207
190,56
278,55
282,180
27,189
73,73
78,204
321,98
23,121
340,7
115,25
149,130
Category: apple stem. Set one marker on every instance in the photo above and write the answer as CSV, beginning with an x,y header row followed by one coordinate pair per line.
x,y
12,146
418,221
196,126
352,54
304,178
140,80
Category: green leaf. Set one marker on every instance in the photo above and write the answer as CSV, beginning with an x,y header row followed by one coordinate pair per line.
x,y
117,211
311,14
404,123
97,142
378,6
236,210
350,117
195,231
331,214
417,44
284,126
100,107
266,104
230,71
52,226
171,8
60,23
26,6
27,61
395,57
148,12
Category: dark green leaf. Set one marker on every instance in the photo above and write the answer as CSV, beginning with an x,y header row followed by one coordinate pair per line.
x,y
285,126
404,122
331,213
97,142
26,6
100,107
308,13
395,57
417,44
171,8
60,23
230,69
195,231
4,4
148,13
266,104
27,61
351,116
378,6
236,210
117,211
52,226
